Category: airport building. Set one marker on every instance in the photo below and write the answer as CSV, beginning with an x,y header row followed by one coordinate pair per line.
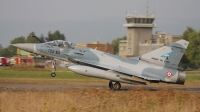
x,y
140,39
108,48
23,53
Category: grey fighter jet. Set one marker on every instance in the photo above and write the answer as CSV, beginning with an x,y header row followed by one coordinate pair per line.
x,y
160,65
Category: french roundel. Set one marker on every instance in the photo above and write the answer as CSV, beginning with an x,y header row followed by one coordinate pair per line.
x,y
169,74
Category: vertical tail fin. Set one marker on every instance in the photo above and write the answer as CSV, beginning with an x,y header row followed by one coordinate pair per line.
x,y
169,55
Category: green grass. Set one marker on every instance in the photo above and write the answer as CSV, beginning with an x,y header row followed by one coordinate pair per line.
x,y
26,74
36,74
30,75
31,72
193,72
189,77
193,75
61,73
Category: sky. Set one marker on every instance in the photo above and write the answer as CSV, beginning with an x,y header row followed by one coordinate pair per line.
x,y
85,21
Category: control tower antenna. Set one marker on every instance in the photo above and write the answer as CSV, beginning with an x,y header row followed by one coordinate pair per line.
x,y
147,7
154,11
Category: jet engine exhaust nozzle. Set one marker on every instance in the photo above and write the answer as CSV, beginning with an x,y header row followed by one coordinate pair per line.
x,y
181,78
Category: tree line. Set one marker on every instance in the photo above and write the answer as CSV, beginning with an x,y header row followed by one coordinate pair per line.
x,y
190,59
115,43
11,51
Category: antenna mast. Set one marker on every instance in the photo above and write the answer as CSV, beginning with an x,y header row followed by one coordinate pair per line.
x,y
154,10
147,8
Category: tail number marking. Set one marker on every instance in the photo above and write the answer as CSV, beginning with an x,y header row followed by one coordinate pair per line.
x,y
52,51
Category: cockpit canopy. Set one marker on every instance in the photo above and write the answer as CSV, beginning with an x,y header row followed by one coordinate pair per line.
x,y
61,43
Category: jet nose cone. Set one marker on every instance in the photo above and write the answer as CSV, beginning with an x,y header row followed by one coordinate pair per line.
x,y
25,46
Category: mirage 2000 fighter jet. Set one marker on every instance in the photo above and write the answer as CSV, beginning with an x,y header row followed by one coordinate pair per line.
x,y
160,65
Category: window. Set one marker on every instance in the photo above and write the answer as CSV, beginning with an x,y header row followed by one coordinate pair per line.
x,y
138,20
151,21
51,43
129,50
148,21
66,44
135,20
121,48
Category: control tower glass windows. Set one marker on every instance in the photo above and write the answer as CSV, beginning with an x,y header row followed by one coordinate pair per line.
x,y
143,20
129,20
135,20
151,20
138,20
148,21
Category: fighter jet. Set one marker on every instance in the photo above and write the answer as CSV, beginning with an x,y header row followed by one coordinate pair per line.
x,y
158,66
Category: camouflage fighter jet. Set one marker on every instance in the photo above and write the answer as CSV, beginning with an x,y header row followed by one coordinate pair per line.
x,y
160,65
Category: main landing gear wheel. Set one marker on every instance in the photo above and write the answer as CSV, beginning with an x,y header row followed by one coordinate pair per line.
x,y
114,85
53,74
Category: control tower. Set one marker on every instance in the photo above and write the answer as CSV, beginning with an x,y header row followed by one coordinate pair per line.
x,y
139,31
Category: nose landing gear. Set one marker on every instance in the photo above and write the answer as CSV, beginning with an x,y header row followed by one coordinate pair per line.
x,y
53,74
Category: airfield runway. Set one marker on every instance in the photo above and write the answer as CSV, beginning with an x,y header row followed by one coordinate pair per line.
x,y
56,87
